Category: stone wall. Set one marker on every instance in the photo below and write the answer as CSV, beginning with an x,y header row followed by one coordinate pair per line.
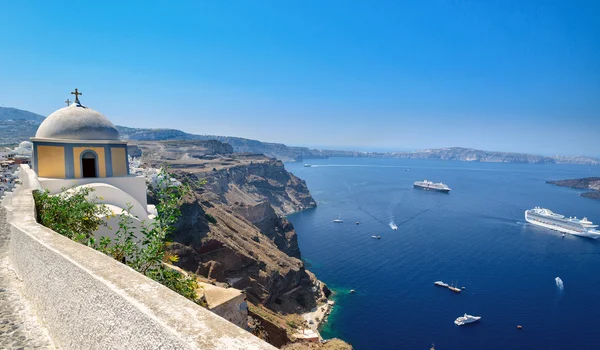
x,y
87,300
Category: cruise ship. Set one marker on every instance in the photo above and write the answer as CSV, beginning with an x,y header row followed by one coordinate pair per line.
x,y
428,185
546,218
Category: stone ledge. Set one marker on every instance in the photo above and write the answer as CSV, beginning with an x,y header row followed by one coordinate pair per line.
x,y
87,300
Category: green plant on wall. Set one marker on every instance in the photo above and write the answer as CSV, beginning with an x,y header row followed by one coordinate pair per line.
x,y
74,213
77,214
123,247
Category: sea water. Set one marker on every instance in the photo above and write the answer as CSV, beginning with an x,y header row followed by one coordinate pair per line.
x,y
475,236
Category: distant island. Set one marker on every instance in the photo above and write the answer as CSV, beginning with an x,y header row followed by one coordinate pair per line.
x,y
588,183
18,125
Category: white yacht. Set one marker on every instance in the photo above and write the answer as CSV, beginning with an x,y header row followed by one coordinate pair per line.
x,y
462,320
546,218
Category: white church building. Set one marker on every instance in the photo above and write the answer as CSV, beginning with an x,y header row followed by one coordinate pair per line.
x,y
77,146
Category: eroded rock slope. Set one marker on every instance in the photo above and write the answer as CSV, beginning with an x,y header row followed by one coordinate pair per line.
x,y
233,227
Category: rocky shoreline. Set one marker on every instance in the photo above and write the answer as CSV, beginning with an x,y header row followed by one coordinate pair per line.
x,y
587,183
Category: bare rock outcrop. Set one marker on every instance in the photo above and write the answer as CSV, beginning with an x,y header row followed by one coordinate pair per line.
x,y
216,242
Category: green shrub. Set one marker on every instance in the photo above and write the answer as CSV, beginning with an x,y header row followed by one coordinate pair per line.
x,y
77,215
183,285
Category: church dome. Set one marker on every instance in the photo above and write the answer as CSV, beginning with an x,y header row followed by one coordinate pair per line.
x,y
77,122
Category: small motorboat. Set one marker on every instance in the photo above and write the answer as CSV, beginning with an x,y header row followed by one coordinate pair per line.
x,y
357,222
466,319
352,291
376,237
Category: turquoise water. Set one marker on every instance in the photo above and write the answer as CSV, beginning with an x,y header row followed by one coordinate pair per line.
x,y
476,236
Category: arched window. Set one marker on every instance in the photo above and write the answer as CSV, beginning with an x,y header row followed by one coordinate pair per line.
x,y
89,164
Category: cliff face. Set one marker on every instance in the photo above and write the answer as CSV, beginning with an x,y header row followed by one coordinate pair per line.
x,y
255,180
214,241
588,183
233,230
278,229
262,192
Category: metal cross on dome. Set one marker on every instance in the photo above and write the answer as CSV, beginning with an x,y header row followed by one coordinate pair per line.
x,y
76,93
68,102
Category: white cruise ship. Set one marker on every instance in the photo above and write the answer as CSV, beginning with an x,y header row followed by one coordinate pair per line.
x,y
428,185
546,218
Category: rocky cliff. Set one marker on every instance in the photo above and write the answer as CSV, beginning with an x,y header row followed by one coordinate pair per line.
x,y
588,183
233,229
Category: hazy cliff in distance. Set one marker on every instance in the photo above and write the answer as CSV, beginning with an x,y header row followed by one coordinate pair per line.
x,y
289,153
12,131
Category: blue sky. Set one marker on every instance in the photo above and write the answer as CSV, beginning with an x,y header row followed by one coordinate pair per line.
x,y
497,75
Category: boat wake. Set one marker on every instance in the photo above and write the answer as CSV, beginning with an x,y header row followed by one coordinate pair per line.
x,y
393,225
421,213
559,284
